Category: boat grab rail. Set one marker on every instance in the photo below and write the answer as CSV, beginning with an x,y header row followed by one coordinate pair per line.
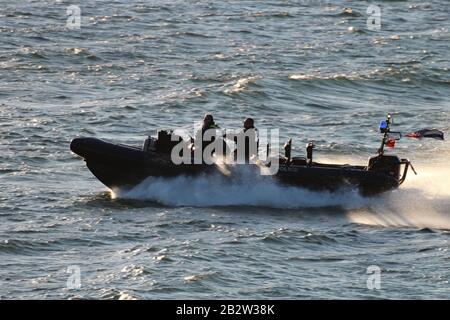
x,y
407,164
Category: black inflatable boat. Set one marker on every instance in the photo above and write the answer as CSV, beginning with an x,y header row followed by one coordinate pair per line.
x,y
122,166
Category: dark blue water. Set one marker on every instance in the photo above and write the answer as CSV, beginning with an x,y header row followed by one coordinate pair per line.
x,y
309,68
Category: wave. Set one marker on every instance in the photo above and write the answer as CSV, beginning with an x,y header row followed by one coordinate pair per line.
x,y
349,12
16,246
242,84
281,14
407,71
81,53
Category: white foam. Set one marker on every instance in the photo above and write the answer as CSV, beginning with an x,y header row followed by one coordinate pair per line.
x,y
244,187
422,202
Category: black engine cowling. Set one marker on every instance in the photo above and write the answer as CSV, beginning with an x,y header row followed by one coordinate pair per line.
x,y
388,164
164,143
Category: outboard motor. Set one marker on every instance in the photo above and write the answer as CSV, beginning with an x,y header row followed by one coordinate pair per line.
x,y
164,142
387,164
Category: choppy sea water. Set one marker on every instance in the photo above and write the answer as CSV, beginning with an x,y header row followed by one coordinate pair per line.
x,y
310,68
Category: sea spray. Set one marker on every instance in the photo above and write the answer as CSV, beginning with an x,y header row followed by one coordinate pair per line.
x,y
422,202
244,188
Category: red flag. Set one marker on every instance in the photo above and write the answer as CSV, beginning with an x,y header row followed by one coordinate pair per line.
x,y
426,133
413,135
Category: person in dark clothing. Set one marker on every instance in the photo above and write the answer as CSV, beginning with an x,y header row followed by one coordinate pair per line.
x,y
249,123
248,136
208,123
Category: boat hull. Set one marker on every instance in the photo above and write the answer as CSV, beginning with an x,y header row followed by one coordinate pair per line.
x,y
123,167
